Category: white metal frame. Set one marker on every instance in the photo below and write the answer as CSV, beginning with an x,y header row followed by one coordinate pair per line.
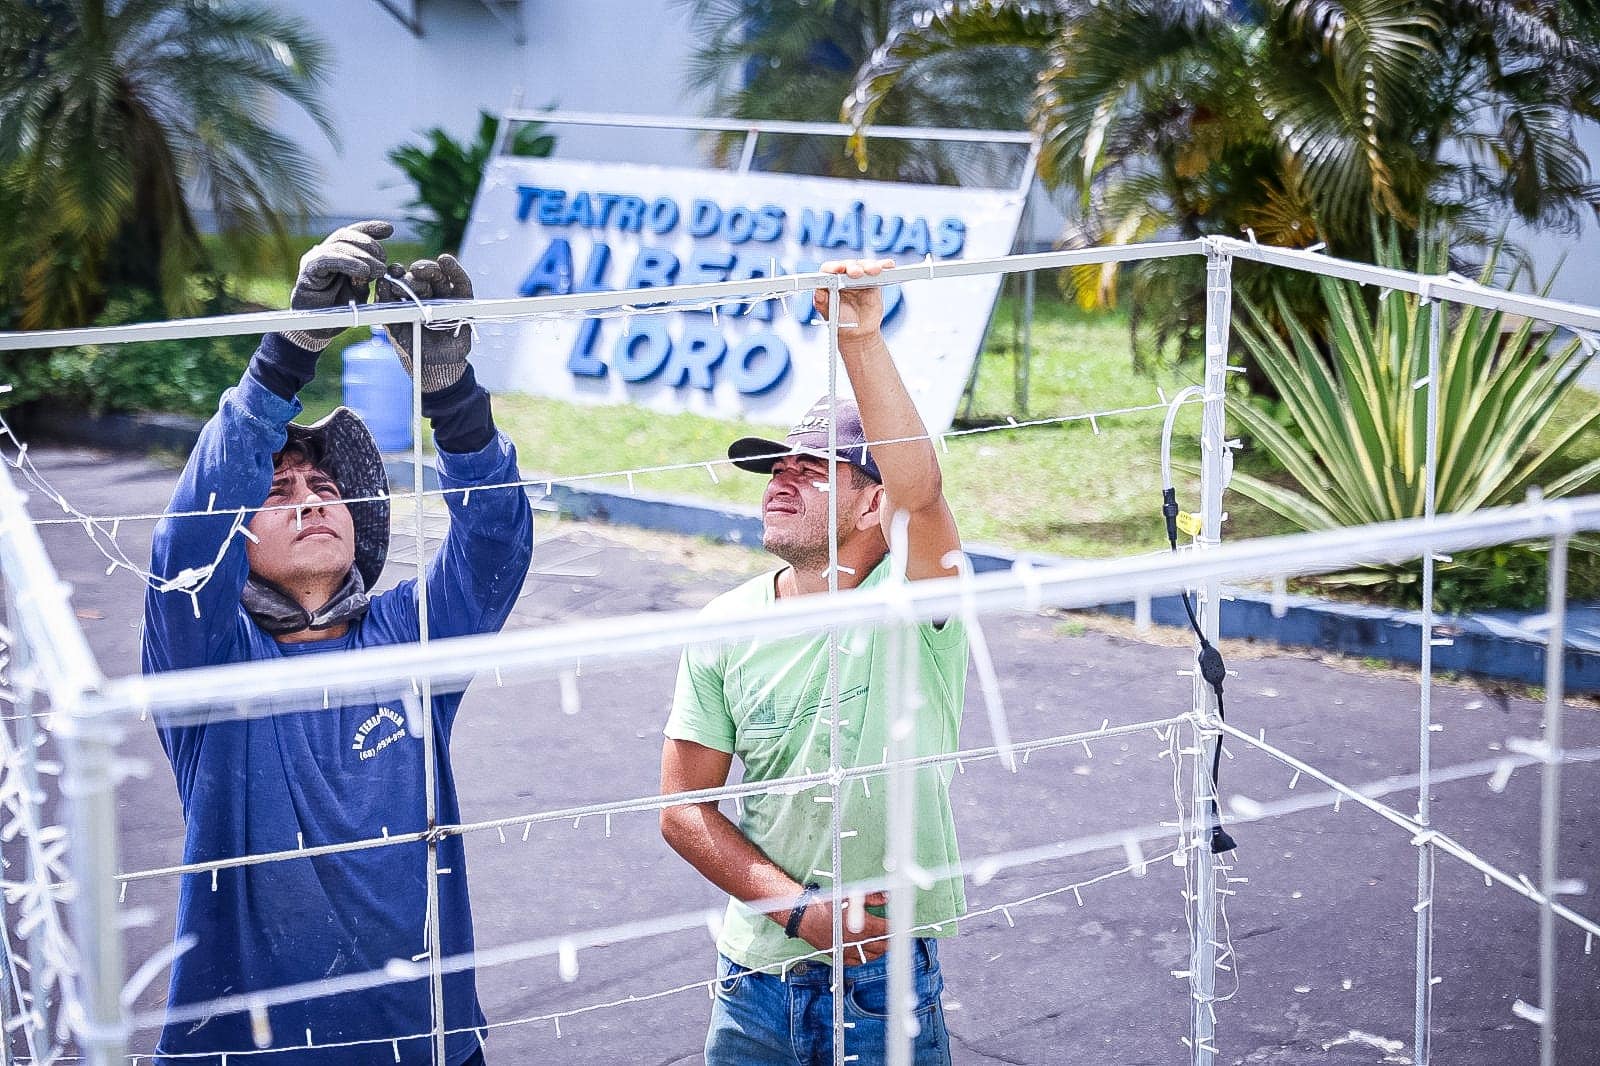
x,y
89,712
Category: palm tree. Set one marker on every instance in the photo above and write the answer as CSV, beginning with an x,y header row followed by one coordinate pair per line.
x,y
1302,121
797,60
113,113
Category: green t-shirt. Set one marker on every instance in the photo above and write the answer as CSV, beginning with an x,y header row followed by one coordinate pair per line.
x,y
767,703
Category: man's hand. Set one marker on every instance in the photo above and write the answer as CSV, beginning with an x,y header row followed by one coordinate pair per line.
x,y
336,273
861,309
866,936
444,351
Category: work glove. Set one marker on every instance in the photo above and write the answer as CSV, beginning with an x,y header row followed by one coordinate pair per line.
x,y
444,349
336,273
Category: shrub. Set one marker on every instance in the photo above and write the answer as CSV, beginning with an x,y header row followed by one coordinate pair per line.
x,y
184,376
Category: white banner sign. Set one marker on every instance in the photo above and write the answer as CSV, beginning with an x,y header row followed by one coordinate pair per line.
x,y
543,226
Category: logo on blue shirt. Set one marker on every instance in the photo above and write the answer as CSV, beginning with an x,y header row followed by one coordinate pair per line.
x,y
366,728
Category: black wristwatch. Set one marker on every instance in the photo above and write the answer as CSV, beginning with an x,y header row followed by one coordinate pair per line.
x,y
791,928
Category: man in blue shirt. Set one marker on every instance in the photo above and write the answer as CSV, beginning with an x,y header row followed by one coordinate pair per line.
x,y
295,581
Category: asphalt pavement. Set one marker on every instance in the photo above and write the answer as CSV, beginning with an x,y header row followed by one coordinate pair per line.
x,y
1320,925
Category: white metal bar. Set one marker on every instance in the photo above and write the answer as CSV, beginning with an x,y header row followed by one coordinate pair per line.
x,y
1437,287
1550,797
1420,834
1213,449
984,868
434,942
902,788
657,801
45,622
1423,993
747,153
740,125
457,659
389,314
835,741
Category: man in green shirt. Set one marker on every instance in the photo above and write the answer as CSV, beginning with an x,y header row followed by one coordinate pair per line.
x,y
768,701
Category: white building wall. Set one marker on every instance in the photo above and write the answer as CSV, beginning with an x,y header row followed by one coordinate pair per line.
x,y
386,86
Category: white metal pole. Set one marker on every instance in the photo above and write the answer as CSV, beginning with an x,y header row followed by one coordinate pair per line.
x,y
434,943
45,622
1425,856
1550,797
1213,446
901,671
835,774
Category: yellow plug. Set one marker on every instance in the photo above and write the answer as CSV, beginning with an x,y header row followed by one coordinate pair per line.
x,y
1189,525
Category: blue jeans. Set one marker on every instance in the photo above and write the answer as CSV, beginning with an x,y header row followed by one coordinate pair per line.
x,y
761,1019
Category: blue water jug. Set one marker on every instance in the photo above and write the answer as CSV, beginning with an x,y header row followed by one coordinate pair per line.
x,y
377,389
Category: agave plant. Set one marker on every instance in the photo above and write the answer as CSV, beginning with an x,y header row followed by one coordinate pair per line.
x,y
1350,427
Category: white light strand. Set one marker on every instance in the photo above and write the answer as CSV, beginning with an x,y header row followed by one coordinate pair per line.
x,y
987,866
546,483
791,785
36,901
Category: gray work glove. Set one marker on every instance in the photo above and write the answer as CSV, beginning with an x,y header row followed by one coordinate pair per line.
x,y
337,273
444,350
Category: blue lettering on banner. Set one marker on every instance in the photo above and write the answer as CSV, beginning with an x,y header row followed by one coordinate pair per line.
x,y
655,267
844,230
760,363
814,226
552,206
696,356
663,215
552,274
951,238
642,351
755,364
582,212
585,362
854,229
769,224
703,218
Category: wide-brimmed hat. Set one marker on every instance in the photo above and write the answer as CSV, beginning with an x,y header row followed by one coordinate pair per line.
x,y
810,437
343,447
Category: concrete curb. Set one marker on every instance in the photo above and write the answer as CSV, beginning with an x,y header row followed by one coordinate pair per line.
x,y
1504,646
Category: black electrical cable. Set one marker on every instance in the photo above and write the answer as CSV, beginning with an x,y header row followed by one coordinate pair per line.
x,y
1212,671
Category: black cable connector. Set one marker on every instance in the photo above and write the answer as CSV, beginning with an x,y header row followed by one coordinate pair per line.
x,y
1213,671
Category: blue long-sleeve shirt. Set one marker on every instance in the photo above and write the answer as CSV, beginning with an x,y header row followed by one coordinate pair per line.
x,y
323,775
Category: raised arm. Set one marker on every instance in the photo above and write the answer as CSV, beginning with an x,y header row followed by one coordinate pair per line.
x,y
191,616
474,581
912,482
